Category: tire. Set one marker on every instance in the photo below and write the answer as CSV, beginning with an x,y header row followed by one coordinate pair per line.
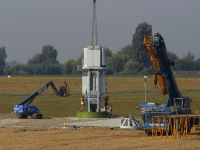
x,y
37,116
22,116
148,132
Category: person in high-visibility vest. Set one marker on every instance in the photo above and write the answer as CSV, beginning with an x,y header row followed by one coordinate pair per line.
x,y
109,110
82,103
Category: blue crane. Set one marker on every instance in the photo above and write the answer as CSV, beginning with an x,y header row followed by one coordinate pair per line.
x,y
176,103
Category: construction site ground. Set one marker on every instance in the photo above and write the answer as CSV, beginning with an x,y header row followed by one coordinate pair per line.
x,y
50,133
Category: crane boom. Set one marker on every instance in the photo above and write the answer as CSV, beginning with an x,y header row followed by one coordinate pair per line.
x,y
30,98
147,42
165,65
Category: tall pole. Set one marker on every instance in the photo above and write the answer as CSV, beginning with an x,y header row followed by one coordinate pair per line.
x,y
145,88
94,24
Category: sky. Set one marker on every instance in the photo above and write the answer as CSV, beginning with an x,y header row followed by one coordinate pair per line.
x,y
28,25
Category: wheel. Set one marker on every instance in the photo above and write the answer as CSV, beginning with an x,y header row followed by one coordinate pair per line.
x,y
22,116
37,116
148,132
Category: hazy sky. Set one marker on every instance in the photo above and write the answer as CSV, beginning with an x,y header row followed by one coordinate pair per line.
x,y
28,25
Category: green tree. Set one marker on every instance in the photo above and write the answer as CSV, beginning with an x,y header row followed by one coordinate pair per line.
x,y
132,67
139,52
172,57
18,70
70,67
2,59
45,63
37,59
197,64
116,63
49,54
109,69
127,50
79,60
45,69
186,63
108,52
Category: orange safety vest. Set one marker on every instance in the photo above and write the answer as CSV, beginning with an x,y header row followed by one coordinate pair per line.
x,y
82,101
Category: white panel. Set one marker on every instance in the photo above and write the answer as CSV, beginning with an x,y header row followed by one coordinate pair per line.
x,y
97,55
85,58
97,47
103,57
103,84
84,84
90,57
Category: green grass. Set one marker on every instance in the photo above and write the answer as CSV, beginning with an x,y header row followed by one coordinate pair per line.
x,y
51,105
27,85
123,104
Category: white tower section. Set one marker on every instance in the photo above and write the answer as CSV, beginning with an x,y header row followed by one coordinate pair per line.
x,y
94,76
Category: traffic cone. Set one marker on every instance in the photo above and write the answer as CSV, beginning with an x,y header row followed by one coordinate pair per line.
x,y
64,125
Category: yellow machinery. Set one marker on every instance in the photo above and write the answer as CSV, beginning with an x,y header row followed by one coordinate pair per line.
x,y
174,117
147,42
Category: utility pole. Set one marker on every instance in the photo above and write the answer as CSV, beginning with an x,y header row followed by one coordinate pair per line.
x,y
145,88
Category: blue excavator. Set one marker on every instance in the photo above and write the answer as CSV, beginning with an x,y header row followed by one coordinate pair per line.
x,y
24,110
176,103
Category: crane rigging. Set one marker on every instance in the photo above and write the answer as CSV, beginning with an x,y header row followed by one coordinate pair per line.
x,y
94,24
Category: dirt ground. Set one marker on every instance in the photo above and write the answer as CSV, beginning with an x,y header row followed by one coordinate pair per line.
x,y
31,134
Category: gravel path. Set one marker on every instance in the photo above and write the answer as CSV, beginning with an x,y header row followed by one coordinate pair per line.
x,y
10,120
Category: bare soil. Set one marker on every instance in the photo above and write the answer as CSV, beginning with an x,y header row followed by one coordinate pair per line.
x,y
31,134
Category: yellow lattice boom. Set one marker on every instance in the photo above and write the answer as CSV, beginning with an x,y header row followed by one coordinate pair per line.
x,y
147,42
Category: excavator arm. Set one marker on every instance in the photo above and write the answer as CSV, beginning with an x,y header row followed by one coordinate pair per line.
x,y
147,42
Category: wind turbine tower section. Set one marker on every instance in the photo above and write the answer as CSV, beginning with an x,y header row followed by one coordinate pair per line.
x,y
94,76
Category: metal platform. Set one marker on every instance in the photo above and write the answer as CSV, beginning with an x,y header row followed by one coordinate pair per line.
x,y
100,122
126,123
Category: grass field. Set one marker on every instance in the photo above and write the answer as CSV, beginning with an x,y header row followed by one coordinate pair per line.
x,y
50,105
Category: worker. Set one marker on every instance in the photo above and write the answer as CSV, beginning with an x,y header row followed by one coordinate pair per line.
x,y
65,87
82,103
109,110
65,84
106,102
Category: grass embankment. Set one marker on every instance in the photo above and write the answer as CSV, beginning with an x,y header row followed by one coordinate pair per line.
x,y
54,106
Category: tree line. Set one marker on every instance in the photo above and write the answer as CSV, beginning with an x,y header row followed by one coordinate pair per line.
x,y
132,59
